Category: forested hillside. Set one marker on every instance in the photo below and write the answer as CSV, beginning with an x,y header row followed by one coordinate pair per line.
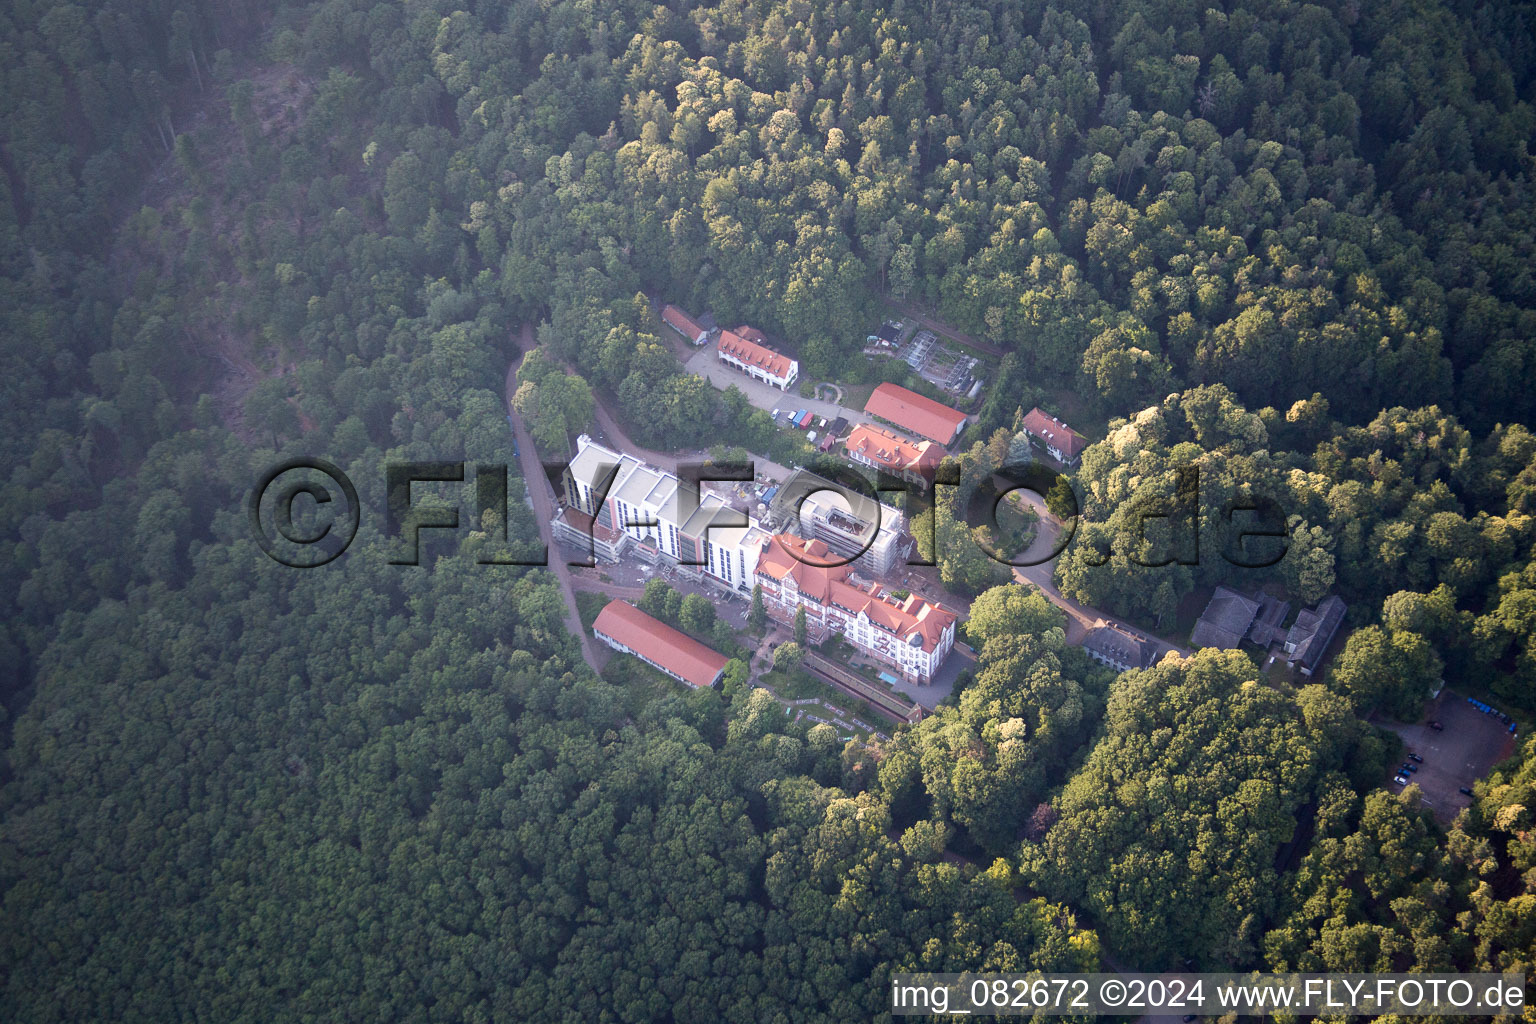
x,y
1289,243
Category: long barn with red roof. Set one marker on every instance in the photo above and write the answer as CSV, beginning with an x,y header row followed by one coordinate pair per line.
x,y
916,414
626,628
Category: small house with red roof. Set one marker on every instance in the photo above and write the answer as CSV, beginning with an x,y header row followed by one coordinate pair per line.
x,y
683,324
1061,442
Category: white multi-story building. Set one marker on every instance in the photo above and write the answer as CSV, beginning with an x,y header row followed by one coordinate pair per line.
x,y
746,349
654,514
911,634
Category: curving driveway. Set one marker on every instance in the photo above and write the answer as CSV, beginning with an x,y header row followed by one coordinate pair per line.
x,y
1080,617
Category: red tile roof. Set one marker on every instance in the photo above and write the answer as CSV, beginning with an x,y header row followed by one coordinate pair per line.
x,y
685,324
807,562
785,555
892,451
1055,433
746,344
657,642
911,411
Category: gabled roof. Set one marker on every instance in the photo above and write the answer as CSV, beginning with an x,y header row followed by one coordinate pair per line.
x,y
681,322
1313,630
913,620
658,642
1121,646
1055,433
1225,619
746,345
892,451
805,562
912,411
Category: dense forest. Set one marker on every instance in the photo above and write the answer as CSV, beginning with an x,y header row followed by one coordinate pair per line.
x,y
1288,243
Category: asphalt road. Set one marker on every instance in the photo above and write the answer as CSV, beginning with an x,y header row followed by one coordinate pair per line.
x,y
1080,617
595,654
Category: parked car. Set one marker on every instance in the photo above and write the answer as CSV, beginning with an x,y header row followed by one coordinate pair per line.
x,y
1415,758
1464,791
1401,780
1437,726
1408,768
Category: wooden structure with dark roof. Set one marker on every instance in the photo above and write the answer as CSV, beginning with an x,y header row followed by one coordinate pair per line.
x,y
1225,620
1312,632
1120,649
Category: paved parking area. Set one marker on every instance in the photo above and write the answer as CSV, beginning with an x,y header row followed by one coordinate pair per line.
x,y
706,363
626,581
930,695
1463,752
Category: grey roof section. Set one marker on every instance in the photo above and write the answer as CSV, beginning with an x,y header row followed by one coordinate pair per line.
x,y
1313,630
594,457
712,512
1266,627
663,491
1121,647
639,484
1225,620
